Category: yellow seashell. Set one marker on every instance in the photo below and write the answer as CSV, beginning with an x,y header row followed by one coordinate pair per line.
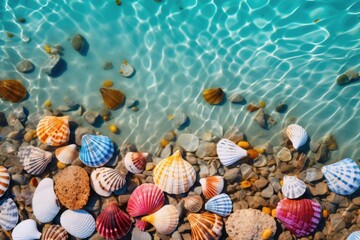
x,y
170,116
325,213
12,90
164,142
245,184
213,95
243,144
47,48
267,233
113,128
112,98
266,210
48,103
273,213
262,104
107,83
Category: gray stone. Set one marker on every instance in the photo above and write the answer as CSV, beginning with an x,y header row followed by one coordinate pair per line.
x,y
63,108
77,42
236,98
206,149
213,168
80,132
51,65
260,118
323,154
19,113
284,154
167,151
204,171
24,66
261,183
234,134
314,146
275,184
8,148
270,121
281,108
169,136
18,178
232,175
260,161
188,141
137,234
274,200
347,77
179,119
70,103
319,189
337,222
91,117
18,125
267,192
311,175
108,66
246,171
337,199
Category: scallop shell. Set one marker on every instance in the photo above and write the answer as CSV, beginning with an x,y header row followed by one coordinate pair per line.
x,y
297,135
96,150
205,226
213,95
112,98
78,223
146,199
45,204
25,230
67,154
343,177
174,175
140,224
135,162
54,232
12,90
106,180
212,186
193,203
293,187
113,223
228,152
34,159
9,215
53,131
164,220
220,205
300,217
126,69
4,180
354,236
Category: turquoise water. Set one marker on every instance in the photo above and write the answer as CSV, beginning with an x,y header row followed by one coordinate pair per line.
x,y
266,50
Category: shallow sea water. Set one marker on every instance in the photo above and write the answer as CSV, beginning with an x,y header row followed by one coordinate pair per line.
x,y
265,50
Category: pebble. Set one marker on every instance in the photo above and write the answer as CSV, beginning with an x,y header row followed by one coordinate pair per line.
x,y
18,178
25,66
91,117
337,222
311,175
206,136
213,169
78,42
319,189
191,159
323,153
184,227
314,146
51,65
285,236
234,134
246,171
167,151
190,142
137,234
70,103
176,236
284,154
123,199
232,175
204,172
274,200
275,184
261,183
319,236
179,119
186,236
260,161
108,66
337,199
267,192
281,108
198,190
256,202
260,118
236,98
356,201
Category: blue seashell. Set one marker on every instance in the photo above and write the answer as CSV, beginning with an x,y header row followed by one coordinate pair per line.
x,y
343,177
354,236
96,150
220,205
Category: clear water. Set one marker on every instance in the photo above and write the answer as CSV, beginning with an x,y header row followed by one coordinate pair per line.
x,y
266,50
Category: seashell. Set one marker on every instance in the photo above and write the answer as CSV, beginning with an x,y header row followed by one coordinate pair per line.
x,y
140,224
193,203
25,230
45,204
213,95
354,236
113,223
126,69
297,135
78,223
67,154
53,131
220,205
54,232
343,177
228,152
135,162
293,187
4,180
164,220
174,175
106,180
34,159
112,98
12,90
205,226
146,199
300,217
9,215
212,186
96,150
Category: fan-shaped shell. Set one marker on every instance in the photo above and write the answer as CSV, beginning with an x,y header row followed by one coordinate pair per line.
x,y
221,205
25,230
297,135
112,98
164,220
228,152
126,69
299,216
135,162
213,95
212,186
53,131
174,175
9,215
34,159
96,150
193,203
78,223
12,90
113,223
54,232
106,180
205,226
67,154
4,180
140,224
354,236
293,187
343,177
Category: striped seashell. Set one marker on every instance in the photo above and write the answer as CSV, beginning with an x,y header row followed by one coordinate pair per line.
x,y
105,180
174,175
9,215
293,187
67,154
53,131
220,205
4,180
126,69
96,150
26,229
164,220
34,159
354,236
212,186
135,162
297,135
54,232
343,177
193,203
140,224
78,223
205,226
228,152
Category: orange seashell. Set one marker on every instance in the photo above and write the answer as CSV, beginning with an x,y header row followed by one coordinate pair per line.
x,y
213,95
4,180
245,184
193,203
12,90
53,131
243,144
205,226
253,154
212,186
252,108
112,98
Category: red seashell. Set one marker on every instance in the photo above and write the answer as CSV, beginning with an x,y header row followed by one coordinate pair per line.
x,y
299,216
141,224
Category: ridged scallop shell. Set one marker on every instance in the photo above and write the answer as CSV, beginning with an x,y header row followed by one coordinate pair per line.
x,y
146,199
78,223
112,98
300,217
354,236
343,177
25,230
126,69
113,223
293,187
96,150
34,159
106,180
220,205
164,220
213,95
212,186
297,135
45,204
9,215
193,203
53,131
4,180
140,224
54,232
67,154
228,152
174,175
12,90
135,162
205,226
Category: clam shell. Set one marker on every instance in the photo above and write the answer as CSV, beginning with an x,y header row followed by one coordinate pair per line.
x,y
213,95
164,220
106,180
293,187
228,152
96,150
135,162
9,215
300,217
220,205
112,98
126,69
193,203
78,223
343,177
212,186
26,230
354,236
54,232
53,131
297,135
12,90
4,180
205,226
34,159
174,175
67,154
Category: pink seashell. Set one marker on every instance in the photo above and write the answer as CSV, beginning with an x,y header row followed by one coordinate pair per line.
x,y
53,131
67,154
140,224
135,162
212,186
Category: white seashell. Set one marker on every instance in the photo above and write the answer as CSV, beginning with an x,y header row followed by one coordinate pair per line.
x,y
105,180
228,152
26,230
135,162
67,154
165,220
212,186
297,135
78,223
9,215
4,180
34,159
220,205
293,187
354,236
45,204
126,69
